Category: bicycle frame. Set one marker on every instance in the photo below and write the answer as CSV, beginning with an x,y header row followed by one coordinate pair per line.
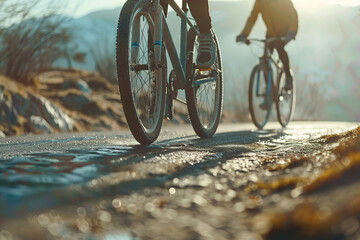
x,y
267,59
162,34
274,91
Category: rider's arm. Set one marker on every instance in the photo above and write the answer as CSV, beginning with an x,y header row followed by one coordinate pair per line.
x,y
251,20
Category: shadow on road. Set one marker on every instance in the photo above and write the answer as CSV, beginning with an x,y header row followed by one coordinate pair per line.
x,y
46,180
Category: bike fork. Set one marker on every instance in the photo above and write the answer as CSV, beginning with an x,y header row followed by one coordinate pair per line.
x,y
158,18
157,41
268,85
257,83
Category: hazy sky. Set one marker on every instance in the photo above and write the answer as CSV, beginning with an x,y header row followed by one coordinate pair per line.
x,y
84,7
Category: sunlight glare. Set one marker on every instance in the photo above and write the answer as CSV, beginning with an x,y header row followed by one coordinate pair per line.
x,y
340,2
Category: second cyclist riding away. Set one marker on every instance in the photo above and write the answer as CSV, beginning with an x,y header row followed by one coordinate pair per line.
x,y
281,20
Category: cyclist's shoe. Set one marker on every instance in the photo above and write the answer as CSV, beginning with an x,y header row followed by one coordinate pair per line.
x,y
207,51
264,105
289,83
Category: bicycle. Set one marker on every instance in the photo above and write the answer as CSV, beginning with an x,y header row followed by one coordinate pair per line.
x,y
147,96
262,91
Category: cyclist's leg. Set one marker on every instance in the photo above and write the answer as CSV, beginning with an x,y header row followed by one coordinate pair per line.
x,y
284,58
164,6
280,48
200,11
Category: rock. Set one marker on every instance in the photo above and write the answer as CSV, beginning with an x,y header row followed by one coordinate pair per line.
x,y
81,103
32,105
8,114
74,101
55,116
83,86
76,84
2,134
38,125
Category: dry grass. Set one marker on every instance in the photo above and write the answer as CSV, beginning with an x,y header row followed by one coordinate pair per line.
x,y
276,185
292,163
344,169
347,166
308,220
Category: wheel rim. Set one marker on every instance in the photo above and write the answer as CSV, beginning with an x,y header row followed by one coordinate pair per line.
x,y
284,101
207,95
260,99
146,88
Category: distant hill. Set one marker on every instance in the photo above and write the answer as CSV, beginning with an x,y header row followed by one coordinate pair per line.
x,y
325,56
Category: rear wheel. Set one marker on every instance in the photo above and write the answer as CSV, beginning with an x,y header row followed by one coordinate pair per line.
x,y
206,100
142,85
260,96
285,100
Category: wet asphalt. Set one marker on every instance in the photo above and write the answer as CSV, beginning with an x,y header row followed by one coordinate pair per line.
x,y
195,188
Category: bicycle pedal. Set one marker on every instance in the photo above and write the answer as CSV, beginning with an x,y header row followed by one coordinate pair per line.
x,y
200,81
203,72
204,69
209,75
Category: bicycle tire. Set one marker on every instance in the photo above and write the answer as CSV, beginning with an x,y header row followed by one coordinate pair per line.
x,y
204,119
255,101
282,96
142,86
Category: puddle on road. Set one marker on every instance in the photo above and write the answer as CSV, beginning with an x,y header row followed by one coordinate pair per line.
x,y
210,184
22,176
42,173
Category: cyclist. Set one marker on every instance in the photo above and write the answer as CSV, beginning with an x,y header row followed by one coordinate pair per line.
x,y
200,11
280,18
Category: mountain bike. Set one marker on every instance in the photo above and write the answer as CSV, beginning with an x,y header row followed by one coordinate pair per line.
x,y
263,91
147,94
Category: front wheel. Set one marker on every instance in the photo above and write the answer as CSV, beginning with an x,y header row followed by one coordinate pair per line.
x,y
205,101
142,85
260,95
285,100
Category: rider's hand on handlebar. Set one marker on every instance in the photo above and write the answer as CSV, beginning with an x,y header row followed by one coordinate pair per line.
x,y
290,36
242,38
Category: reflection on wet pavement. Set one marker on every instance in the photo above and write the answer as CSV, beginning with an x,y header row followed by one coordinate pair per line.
x,y
44,170
39,173
199,186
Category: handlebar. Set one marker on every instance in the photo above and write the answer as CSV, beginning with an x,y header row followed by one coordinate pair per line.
x,y
267,40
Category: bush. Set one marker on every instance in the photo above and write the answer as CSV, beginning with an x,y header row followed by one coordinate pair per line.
x,y
31,40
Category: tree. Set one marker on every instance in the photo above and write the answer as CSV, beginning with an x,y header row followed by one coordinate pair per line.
x,y
31,40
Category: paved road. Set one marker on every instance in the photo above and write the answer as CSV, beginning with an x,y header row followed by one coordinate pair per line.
x,y
103,185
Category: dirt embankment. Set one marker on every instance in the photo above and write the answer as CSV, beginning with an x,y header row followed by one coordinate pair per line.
x,y
60,101
65,101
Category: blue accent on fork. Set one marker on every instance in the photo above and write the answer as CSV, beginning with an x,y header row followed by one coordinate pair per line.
x,y
268,87
134,44
257,82
157,43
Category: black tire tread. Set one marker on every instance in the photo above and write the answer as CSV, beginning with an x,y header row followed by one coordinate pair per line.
x,y
259,67
122,63
191,103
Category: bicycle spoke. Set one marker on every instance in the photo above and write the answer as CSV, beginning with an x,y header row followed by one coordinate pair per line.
x,y
142,86
142,90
